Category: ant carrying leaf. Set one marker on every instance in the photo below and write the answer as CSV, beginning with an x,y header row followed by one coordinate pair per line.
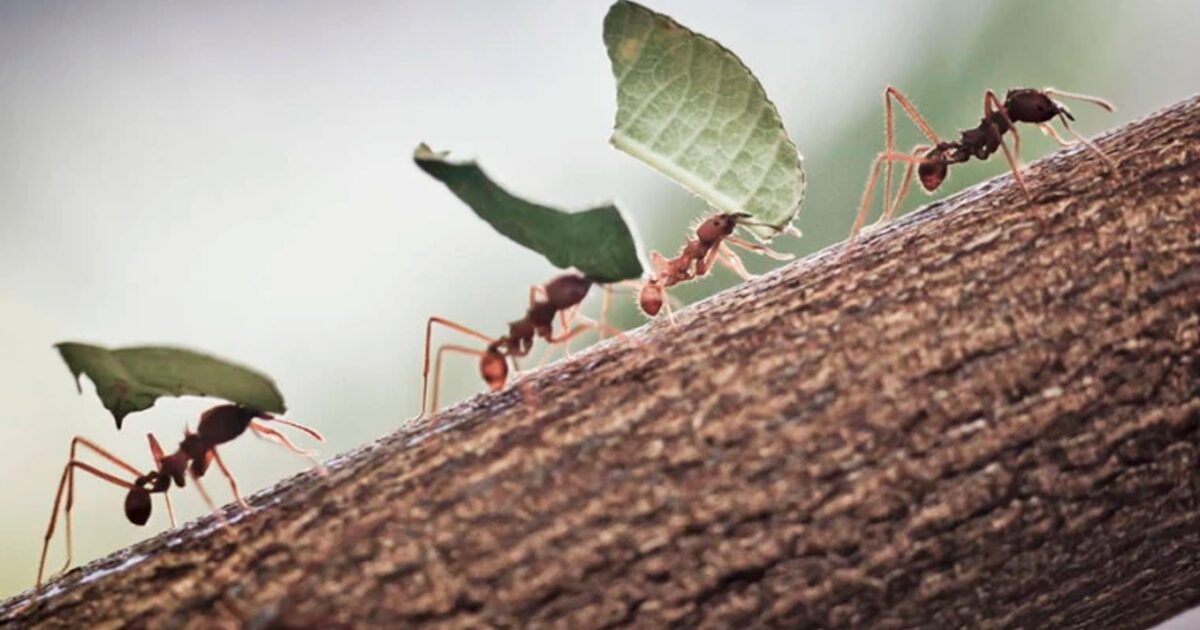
x,y
597,243
218,425
132,379
690,109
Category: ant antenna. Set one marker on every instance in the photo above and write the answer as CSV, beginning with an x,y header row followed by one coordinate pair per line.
x,y
1086,98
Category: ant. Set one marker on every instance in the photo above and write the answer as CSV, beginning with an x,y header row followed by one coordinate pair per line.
x,y
218,425
933,162
711,245
558,298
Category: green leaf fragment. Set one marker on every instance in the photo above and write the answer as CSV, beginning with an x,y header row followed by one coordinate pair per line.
x,y
689,108
132,379
598,242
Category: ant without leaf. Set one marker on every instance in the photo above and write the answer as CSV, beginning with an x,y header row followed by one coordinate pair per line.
x,y
560,297
933,162
218,425
711,245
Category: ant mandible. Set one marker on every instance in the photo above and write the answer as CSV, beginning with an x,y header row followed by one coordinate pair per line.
x,y
711,245
197,451
933,162
558,298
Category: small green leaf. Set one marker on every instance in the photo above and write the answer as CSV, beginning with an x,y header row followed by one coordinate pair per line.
x,y
597,242
692,110
131,379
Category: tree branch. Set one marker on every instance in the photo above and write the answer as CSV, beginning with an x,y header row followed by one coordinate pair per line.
x,y
986,414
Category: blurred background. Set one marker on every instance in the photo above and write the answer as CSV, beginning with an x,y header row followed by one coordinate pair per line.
x,y
237,178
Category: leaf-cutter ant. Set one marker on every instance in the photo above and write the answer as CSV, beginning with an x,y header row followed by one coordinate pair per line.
x,y
932,162
218,425
560,298
710,246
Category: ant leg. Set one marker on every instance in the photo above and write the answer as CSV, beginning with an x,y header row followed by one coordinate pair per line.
x,y
1095,100
889,95
913,115
605,300
906,184
545,358
209,502
428,337
991,100
156,452
95,448
872,177
705,264
1112,166
728,258
758,249
578,330
1013,157
568,318
667,306
67,482
267,433
232,481
170,510
1049,131
1016,169
437,380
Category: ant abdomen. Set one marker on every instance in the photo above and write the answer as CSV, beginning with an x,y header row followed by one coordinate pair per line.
x,y
137,505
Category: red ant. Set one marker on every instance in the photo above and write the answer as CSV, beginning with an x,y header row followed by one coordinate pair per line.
x,y
1025,105
197,451
559,297
697,258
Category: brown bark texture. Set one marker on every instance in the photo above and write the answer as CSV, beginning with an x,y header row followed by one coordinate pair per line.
x,y
984,415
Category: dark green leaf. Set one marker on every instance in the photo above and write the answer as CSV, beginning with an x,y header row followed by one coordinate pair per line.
x,y
131,379
597,242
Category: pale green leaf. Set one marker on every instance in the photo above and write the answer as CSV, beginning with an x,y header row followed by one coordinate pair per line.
x,y
691,109
131,379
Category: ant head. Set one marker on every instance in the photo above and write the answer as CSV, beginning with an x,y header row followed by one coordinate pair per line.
x,y
567,290
226,422
934,170
719,226
137,505
1032,106
493,367
651,298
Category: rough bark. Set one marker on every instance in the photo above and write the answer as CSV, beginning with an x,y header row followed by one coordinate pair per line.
x,y
984,415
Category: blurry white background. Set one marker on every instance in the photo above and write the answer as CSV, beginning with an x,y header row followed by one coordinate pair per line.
x,y
237,178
